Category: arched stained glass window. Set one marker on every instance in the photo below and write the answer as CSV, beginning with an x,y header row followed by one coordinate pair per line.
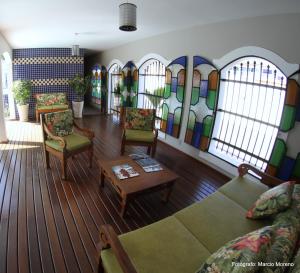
x,y
115,90
152,75
251,98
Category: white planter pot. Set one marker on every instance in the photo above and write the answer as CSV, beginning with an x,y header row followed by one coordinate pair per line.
x,y
77,108
23,112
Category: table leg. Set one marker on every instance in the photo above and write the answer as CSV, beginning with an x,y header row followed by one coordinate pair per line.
x,y
167,192
124,205
102,176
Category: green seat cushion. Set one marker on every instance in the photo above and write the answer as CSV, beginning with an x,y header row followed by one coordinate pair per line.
x,y
216,220
57,106
243,191
139,135
74,142
163,247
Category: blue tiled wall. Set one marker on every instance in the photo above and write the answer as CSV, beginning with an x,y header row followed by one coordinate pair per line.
x,y
48,69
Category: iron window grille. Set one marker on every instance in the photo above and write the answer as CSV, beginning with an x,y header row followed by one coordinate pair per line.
x,y
249,108
152,77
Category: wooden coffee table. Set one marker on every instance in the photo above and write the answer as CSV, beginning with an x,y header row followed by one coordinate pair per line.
x,y
131,187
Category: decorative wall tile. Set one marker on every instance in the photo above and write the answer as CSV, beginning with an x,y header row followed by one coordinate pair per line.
x,y
49,70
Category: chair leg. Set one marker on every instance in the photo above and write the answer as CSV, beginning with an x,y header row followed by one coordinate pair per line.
x,y
37,118
64,168
122,147
47,159
149,150
153,149
91,153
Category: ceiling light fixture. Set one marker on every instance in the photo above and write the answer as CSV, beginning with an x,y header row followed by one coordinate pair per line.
x,y
127,17
75,48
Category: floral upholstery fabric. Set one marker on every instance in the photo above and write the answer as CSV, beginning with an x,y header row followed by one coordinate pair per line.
x,y
282,249
272,201
139,119
296,261
250,248
50,99
60,123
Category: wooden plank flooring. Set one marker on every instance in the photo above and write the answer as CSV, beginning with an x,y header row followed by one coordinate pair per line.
x,y
51,225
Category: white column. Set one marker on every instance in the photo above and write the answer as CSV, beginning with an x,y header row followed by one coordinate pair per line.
x,y
3,136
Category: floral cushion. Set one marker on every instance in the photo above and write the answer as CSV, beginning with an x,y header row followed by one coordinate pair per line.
x,y
49,99
139,119
272,201
60,123
250,249
282,249
295,268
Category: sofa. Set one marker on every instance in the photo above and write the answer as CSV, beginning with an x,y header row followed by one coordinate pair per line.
x,y
181,243
50,102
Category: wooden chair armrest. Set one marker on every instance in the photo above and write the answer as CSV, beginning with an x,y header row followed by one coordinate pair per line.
x,y
61,141
84,131
265,178
109,239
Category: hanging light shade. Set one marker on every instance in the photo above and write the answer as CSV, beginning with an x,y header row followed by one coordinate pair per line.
x,y
75,50
127,17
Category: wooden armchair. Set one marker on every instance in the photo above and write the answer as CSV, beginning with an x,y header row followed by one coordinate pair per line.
x,y
63,138
139,129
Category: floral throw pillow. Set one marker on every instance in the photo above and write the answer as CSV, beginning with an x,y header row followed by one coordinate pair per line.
x,y
272,201
240,255
139,119
282,249
60,123
296,261
49,99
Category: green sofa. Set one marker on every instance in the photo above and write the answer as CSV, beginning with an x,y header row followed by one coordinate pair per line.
x,y
182,242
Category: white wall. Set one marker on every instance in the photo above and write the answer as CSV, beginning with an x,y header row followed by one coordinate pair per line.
x,y
279,34
4,47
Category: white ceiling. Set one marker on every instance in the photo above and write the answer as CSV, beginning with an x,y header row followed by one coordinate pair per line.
x,y
52,23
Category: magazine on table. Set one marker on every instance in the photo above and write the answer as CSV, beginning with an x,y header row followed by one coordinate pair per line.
x,y
138,156
149,164
124,171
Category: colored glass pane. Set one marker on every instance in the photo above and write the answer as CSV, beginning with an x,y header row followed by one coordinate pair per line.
x,y
211,99
165,112
180,93
177,116
288,118
296,171
278,153
207,124
192,120
195,96
167,92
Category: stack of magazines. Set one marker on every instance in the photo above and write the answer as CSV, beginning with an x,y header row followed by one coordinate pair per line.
x,y
124,171
147,163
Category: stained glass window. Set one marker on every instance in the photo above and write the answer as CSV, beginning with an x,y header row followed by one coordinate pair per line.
x,y
249,109
152,76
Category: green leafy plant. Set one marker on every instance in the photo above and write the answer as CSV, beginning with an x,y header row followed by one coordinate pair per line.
x,y
21,91
80,85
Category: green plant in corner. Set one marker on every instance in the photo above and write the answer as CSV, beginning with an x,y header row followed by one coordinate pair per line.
x,y
21,91
80,85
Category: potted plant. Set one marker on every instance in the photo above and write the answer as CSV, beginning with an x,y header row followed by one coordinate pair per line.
x,y
80,85
21,92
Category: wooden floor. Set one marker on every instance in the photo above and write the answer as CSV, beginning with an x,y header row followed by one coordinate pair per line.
x,y
50,225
